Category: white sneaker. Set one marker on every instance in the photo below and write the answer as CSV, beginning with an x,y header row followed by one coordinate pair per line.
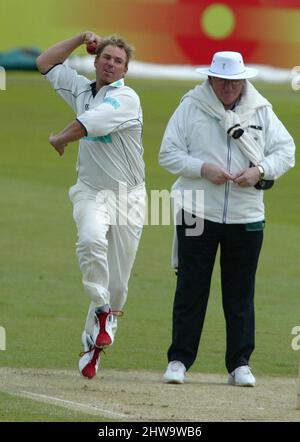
x,y
242,377
175,373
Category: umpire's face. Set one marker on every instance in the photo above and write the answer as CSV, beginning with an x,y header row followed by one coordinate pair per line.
x,y
111,65
227,91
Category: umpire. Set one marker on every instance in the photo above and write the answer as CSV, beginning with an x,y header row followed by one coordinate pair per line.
x,y
224,140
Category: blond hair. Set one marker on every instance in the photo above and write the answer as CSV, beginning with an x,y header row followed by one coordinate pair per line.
x,y
115,40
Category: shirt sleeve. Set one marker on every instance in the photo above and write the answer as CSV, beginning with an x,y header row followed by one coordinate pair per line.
x,y
117,111
174,155
67,83
279,148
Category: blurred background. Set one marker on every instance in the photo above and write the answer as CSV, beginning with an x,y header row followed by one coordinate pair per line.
x,y
164,31
176,32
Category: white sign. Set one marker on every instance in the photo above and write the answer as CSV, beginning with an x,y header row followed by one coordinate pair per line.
x,y
2,338
2,79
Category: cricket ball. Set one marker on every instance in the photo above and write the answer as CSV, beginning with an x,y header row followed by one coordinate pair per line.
x,y
91,48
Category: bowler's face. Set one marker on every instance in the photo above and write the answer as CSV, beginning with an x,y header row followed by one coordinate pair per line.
x,y
227,91
110,65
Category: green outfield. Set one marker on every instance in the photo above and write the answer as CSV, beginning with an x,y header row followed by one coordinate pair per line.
x,y
42,303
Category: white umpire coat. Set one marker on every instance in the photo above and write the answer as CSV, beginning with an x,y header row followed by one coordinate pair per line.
x,y
193,137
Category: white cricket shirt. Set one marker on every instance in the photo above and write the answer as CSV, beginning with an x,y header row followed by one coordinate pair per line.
x,y
111,152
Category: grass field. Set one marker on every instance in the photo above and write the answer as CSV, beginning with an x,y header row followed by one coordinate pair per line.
x,y
42,303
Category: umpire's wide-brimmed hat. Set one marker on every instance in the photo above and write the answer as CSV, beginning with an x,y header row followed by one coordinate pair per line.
x,y
229,65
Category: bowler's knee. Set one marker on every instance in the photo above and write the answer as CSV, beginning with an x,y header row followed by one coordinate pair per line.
x,y
92,241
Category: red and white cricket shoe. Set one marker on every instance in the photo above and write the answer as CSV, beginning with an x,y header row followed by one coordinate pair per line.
x,y
103,337
103,333
89,358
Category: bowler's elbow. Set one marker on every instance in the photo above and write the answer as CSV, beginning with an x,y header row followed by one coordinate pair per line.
x,y
39,64
42,65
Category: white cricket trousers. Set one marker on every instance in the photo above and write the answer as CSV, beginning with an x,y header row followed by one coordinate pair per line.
x,y
109,226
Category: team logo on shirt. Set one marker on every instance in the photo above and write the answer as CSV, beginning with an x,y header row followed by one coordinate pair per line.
x,y
87,106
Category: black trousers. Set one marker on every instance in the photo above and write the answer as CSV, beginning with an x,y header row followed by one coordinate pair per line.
x,y
240,250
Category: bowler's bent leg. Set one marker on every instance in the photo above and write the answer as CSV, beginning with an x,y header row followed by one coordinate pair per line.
x,y
92,245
